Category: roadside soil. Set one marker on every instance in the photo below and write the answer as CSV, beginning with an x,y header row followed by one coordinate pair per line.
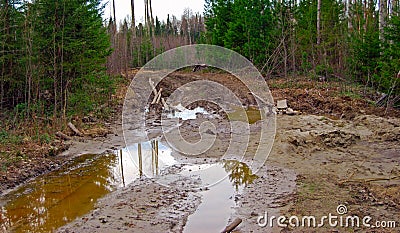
x,y
340,150
23,156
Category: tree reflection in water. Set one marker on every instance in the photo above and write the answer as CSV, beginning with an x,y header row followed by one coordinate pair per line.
x,y
239,173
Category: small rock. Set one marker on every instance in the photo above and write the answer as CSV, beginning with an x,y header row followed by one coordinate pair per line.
x,y
289,111
103,219
210,132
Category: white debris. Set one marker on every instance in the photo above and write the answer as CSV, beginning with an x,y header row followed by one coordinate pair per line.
x,y
282,104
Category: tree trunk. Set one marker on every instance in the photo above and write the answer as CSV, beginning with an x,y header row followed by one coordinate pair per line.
x,y
394,8
152,28
62,100
319,22
28,54
147,16
5,29
293,50
55,66
115,19
365,10
151,16
133,23
349,15
382,18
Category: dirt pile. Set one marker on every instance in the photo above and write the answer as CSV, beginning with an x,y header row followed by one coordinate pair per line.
x,y
382,129
328,98
23,161
350,162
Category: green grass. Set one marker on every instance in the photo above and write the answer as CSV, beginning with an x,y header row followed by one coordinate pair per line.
x,y
7,159
3,136
6,137
44,138
351,94
323,118
310,187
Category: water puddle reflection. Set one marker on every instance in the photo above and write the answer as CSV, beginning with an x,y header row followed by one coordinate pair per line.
x,y
52,200
147,158
57,198
217,200
186,114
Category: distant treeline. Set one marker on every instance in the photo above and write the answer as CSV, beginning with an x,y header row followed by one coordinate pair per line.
x,y
134,45
346,39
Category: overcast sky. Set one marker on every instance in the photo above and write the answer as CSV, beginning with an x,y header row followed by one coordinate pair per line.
x,y
161,8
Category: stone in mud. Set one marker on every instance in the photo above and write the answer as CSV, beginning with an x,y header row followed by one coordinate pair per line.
x,y
209,131
291,112
103,219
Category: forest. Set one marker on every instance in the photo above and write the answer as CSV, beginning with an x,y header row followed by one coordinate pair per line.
x,y
314,128
59,58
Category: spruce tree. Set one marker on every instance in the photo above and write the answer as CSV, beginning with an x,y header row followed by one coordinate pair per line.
x,y
73,45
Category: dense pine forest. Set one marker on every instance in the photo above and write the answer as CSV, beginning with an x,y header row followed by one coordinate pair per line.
x,y
60,58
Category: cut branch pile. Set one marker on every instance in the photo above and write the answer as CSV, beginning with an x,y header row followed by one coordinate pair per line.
x,y
157,96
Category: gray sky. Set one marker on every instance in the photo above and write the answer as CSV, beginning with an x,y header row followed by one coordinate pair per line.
x,y
161,8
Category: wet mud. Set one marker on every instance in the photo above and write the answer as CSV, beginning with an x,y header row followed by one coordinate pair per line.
x,y
316,163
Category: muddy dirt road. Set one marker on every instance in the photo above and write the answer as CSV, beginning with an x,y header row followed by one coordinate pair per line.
x,y
315,165
317,162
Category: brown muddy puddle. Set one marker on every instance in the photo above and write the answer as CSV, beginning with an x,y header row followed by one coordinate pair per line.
x,y
250,115
57,198
52,200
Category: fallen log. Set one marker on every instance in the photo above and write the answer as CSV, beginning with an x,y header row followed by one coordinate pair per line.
x,y
164,103
159,97
63,136
44,119
74,129
366,180
232,226
156,96
152,86
382,100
